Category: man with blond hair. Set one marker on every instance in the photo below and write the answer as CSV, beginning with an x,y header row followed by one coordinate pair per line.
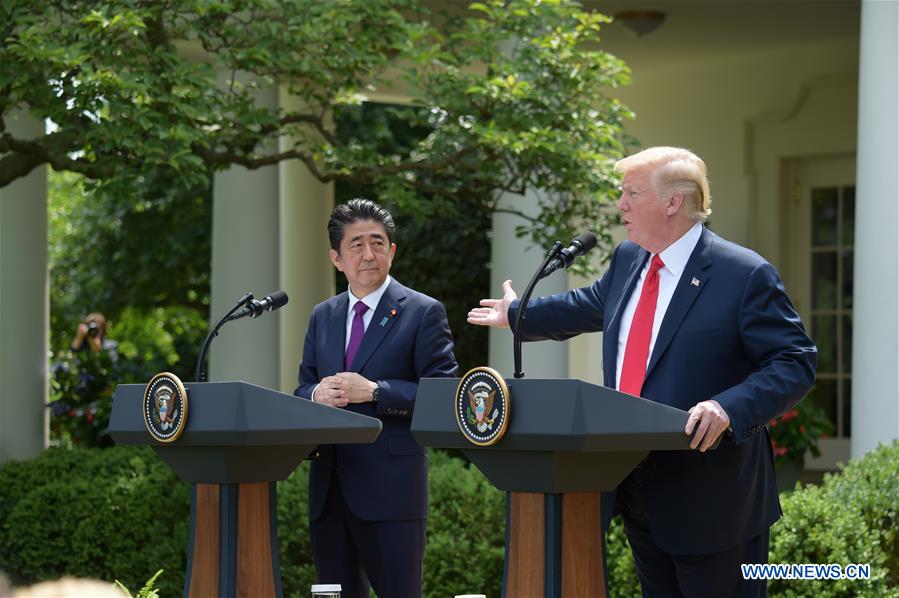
x,y
699,323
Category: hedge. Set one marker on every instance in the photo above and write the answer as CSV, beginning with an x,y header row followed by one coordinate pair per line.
x,y
121,514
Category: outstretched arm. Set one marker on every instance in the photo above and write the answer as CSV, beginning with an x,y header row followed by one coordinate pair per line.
x,y
494,312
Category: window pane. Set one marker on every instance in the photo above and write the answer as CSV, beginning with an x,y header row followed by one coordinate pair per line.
x,y
846,256
847,344
848,223
824,280
824,333
847,407
824,216
825,396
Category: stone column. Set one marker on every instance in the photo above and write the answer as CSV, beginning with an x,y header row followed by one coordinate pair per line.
x,y
245,257
513,259
306,274
24,307
875,345
269,233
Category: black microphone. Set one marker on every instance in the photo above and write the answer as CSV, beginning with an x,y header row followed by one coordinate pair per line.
x,y
581,244
255,308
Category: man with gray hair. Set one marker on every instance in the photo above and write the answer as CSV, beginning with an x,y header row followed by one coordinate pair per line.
x,y
699,323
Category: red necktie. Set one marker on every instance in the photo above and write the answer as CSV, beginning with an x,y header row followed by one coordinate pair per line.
x,y
636,353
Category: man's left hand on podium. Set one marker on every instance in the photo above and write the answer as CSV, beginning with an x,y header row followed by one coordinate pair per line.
x,y
709,420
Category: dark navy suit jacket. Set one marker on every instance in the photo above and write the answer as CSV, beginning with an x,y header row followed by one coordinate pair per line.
x,y
730,334
408,339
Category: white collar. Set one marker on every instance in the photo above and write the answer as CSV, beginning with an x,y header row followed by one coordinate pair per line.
x,y
372,299
676,255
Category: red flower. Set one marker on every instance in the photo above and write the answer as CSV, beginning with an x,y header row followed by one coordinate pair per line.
x,y
791,414
802,429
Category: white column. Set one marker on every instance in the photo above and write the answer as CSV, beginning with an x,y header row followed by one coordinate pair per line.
x,y
875,362
512,259
24,307
245,257
269,232
306,273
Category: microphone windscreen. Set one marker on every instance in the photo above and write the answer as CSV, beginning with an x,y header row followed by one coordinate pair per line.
x,y
587,240
279,299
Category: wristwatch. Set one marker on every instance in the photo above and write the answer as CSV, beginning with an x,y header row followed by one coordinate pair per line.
x,y
376,393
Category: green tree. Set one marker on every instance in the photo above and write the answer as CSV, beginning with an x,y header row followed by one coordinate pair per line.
x,y
514,92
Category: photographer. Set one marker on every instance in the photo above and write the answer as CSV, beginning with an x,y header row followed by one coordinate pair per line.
x,y
91,336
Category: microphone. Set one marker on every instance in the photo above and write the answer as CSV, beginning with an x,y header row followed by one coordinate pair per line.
x,y
580,245
256,308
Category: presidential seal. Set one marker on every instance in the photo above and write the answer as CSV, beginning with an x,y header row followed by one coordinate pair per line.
x,y
482,406
165,407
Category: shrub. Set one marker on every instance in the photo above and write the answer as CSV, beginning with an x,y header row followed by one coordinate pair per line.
x,y
121,514
871,486
466,531
80,404
113,514
850,518
295,550
620,568
798,431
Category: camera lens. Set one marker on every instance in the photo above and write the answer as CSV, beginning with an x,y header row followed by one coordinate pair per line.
x,y
92,328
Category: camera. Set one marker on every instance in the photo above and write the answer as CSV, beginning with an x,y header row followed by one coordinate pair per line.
x,y
93,329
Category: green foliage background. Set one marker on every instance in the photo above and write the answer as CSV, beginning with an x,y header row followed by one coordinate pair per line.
x,y
121,514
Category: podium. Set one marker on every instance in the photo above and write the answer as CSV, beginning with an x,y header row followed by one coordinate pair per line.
x,y
238,441
567,441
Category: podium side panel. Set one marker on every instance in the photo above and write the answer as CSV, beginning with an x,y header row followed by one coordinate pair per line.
x,y
255,573
526,548
583,574
204,562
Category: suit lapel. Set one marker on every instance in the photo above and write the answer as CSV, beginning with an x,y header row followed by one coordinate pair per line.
x,y
692,281
337,333
389,310
610,332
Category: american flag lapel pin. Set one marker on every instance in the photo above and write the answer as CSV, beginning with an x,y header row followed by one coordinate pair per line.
x,y
695,282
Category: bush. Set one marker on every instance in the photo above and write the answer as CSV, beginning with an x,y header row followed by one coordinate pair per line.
x,y
466,532
81,390
121,514
113,514
295,550
850,518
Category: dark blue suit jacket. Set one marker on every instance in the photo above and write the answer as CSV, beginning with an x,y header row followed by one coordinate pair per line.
x,y
734,337
408,339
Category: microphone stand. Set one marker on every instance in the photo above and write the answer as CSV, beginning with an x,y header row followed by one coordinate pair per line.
x,y
522,306
200,374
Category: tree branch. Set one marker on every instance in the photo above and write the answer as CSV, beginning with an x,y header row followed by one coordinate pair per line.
x,y
25,156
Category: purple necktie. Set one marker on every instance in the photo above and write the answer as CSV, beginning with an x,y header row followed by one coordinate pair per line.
x,y
356,334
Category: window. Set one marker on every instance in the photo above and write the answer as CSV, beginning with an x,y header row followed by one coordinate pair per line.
x,y
831,254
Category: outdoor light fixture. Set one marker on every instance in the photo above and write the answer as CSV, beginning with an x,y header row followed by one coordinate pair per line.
x,y
641,22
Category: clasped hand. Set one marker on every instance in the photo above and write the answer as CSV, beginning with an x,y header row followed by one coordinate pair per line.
x,y
342,389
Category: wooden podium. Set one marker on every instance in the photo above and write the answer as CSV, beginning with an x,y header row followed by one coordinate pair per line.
x,y
567,441
238,441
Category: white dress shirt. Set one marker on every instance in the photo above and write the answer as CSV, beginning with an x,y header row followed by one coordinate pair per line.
x,y
371,300
675,258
